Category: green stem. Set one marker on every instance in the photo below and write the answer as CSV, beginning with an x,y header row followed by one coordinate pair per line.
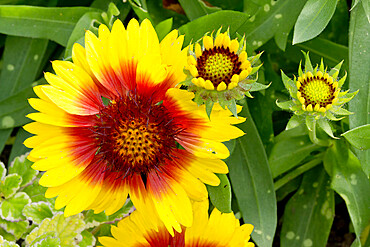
x,y
314,139
300,170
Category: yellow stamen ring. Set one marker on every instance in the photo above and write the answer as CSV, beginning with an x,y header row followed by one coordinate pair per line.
x,y
218,65
316,93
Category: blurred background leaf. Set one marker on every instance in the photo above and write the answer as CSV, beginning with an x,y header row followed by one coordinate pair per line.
x,y
309,213
350,182
359,75
252,182
40,22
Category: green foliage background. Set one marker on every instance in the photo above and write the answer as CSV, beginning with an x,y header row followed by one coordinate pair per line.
x,y
285,185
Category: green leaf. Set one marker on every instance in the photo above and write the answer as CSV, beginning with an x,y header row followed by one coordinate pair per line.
x,y
158,12
312,20
221,195
4,136
359,137
93,220
49,241
3,233
41,22
11,209
288,188
298,130
14,109
285,105
38,211
342,111
68,230
359,76
319,48
325,125
275,19
163,28
10,185
6,243
252,183
309,214
289,85
196,8
88,21
366,6
111,14
350,182
289,152
18,147
37,192
2,171
298,171
140,8
22,166
88,239
16,229
310,123
258,87
21,71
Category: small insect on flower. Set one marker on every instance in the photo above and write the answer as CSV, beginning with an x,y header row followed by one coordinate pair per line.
x,y
316,95
219,70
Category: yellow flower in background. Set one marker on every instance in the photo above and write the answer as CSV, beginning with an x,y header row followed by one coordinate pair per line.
x,y
218,229
316,96
317,92
112,124
219,70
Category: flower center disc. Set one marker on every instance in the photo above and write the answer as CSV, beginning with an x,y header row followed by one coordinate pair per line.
x,y
317,91
218,65
135,135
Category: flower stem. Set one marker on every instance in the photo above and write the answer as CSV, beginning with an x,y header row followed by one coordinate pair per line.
x,y
314,139
300,170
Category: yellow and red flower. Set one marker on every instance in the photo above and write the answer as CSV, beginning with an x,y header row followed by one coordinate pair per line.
x,y
112,124
218,229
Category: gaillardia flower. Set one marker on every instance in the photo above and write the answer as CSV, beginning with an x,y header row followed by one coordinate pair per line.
x,y
220,71
218,229
111,124
316,95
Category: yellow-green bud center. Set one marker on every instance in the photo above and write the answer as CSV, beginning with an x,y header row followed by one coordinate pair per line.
x,y
218,65
317,90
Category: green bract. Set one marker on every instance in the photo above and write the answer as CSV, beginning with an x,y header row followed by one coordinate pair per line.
x,y
316,96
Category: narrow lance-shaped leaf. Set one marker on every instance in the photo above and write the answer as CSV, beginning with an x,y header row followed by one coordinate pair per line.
x,y
309,214
289,152
252,183
350,182
312,20
41,22
275,18
359,75
221,195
